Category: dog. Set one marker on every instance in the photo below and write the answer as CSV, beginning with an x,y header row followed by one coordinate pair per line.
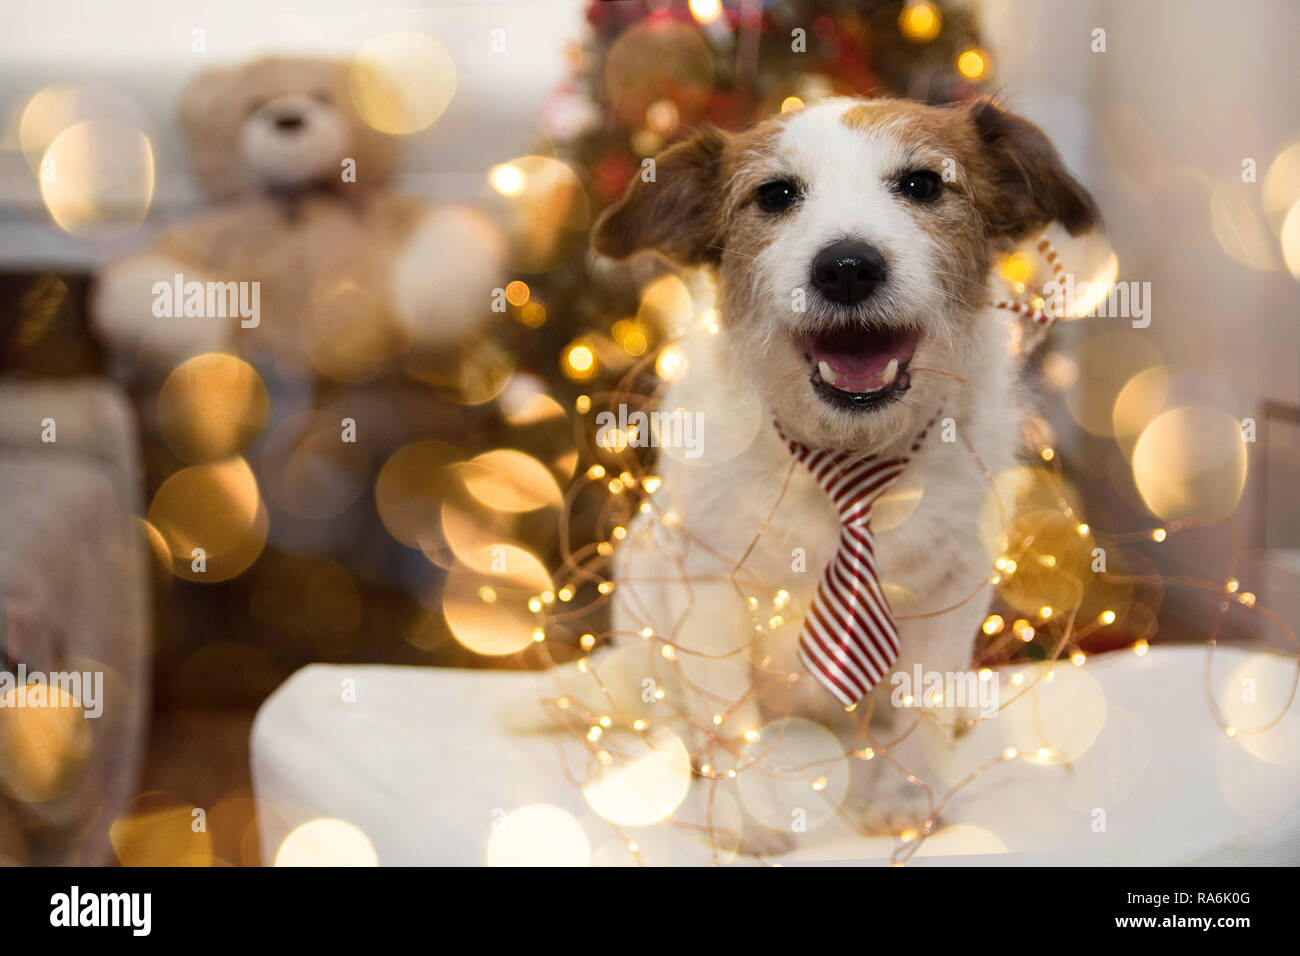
x,y
852,244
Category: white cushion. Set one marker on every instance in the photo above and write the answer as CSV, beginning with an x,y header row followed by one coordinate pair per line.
x,y
419,763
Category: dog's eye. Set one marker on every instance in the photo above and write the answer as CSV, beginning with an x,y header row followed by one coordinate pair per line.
x,y
777,196
921,185
320,96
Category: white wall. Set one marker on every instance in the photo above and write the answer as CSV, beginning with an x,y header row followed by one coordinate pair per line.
x,y
142,50
1185,91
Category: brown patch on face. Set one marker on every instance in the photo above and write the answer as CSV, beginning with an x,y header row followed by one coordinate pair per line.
x,y
1011,170
933,121
750,161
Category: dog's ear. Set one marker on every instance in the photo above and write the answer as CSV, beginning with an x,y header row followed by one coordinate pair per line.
x,y
1030,184
674,213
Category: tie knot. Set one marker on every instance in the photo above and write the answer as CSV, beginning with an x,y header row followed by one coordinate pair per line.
x,y
853,481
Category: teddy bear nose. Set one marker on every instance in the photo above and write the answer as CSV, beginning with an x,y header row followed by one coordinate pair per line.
x,y
847,271
288,123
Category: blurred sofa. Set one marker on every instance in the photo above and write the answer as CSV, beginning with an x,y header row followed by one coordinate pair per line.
x,y
74,586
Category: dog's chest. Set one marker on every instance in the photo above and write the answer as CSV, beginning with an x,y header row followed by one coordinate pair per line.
x,y
767,518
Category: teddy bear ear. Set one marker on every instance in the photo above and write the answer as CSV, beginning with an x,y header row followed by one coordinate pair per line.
x,y
210,110
202,94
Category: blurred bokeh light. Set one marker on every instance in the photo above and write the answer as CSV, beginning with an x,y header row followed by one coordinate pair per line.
x,y
1191,462
217,509
401,82
538,835
212,406
97,178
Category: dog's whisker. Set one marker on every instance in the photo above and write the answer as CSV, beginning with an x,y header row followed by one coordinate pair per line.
x,y
731,252
913,369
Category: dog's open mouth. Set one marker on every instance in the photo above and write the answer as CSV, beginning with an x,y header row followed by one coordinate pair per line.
x,y
860,367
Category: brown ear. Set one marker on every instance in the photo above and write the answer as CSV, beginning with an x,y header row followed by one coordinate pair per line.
x,y
675,213
210,111
1030,185
204,93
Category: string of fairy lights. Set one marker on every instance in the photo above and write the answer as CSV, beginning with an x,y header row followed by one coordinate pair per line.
x,y
630,493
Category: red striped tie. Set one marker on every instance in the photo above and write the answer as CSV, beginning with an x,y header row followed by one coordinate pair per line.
x,y
849,639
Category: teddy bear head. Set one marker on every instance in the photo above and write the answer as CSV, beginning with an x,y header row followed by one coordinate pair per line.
x,y
280,125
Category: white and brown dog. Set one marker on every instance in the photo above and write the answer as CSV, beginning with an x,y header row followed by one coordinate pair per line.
x,y
853,278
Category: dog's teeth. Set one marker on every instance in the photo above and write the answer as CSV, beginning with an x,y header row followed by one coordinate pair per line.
x,y
891,372
825,371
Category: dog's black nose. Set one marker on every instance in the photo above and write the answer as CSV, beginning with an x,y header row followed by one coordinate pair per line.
x,y
847,271
288,122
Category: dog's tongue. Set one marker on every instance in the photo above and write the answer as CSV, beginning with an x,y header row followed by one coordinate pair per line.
x,y
860,361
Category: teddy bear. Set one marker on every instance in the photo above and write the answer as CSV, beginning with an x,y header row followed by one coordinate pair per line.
x,y
362,312
333,271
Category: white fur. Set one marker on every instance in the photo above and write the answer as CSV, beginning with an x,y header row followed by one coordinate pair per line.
x,y
849,194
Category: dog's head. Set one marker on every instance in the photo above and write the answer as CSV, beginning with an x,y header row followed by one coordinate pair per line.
x,y
853,241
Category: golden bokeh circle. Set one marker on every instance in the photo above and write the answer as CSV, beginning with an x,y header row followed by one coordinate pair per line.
x,y
508,480
1057,720
1240,225
1107,361
44,742
1020,490
1053,562
53,109
215,507
97,179
474,533
666,306
212,406
327,842
1252,696
410,490
545,210
488,612
1282,183
538,835
157,829
645,781
401,82
1139,402
799,767
1190,462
